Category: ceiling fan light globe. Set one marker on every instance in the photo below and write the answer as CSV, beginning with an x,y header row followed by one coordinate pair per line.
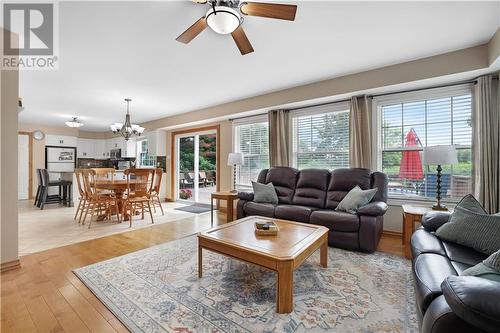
x,y
224,20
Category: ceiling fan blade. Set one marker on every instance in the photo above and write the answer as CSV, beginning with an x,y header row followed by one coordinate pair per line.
x,y
270,10
241,40
192,31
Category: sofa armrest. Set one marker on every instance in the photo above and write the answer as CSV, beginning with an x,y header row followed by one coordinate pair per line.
x,y
247,196
475,300
376,208
431,221
440,318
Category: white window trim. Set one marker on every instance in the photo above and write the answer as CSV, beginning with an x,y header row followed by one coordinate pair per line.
x,y
263,118
311,111
407,97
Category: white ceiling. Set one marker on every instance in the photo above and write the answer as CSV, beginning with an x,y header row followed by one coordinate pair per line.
x,y
113,50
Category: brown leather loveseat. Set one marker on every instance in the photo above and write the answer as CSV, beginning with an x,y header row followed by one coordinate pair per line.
x,y
311,195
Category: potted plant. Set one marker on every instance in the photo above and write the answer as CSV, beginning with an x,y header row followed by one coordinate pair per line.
x,y
185,194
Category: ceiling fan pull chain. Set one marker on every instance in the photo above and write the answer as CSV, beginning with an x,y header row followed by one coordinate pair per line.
x,y
213,6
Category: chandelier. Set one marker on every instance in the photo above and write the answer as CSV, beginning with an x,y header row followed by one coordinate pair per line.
x,y
128,129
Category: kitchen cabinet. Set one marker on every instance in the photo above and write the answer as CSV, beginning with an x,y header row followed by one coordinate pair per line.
x,y
100,149
61,140
85,148
157,143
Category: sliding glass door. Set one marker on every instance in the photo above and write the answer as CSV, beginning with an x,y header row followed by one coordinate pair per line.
x,y
196,166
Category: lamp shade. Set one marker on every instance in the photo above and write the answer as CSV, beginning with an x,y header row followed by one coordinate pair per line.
x,y
235,159
440,155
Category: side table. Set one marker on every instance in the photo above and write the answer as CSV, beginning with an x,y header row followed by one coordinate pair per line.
x,y
411,214
229,197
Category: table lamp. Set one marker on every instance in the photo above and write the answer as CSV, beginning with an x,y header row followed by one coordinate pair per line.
x,y
234,159
440,155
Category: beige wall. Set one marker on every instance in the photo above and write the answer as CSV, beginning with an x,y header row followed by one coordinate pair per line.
x,y
9,83
470,59
494,48
225,146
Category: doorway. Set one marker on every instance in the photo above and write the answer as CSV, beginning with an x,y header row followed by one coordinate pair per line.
x,y
195,166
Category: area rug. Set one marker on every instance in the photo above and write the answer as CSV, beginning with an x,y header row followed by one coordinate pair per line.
x,y
197,208
158,290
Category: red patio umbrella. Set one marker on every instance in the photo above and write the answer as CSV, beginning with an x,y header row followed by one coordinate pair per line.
x,y
411,164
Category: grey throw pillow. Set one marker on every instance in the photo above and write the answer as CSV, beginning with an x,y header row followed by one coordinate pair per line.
x,y
355,199
488,269
469,225
264,193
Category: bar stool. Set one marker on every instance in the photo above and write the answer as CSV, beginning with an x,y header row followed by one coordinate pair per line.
x,y
39,188
63,196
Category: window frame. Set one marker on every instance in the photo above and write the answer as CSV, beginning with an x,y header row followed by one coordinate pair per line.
x,y
408,97
311,111
236,141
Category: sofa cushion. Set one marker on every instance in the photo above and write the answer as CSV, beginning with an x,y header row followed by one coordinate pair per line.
x,y
430,270
460,267
463,254
260,209
487,269
311,188
264,193
470,227
425,242
342,181
284,180
338,221
354,199
294,212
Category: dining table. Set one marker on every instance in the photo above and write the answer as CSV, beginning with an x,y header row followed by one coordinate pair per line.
x,y
118,187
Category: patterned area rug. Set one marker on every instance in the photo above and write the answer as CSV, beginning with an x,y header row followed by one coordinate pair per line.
x,y
158,290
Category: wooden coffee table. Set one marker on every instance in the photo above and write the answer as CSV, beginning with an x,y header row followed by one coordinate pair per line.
x,y
283,253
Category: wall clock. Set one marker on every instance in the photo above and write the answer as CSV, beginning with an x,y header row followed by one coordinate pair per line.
x,y
38,135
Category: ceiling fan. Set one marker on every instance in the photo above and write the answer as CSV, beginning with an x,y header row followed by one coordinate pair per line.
x,y
224,17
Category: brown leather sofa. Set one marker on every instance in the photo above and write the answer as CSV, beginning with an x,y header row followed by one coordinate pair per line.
x,y
311,196
447,302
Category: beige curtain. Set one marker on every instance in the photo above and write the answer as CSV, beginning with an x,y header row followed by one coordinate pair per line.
x,y
279,134
486,142
360,133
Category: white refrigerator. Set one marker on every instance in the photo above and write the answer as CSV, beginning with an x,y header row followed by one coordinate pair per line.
x,y
60,159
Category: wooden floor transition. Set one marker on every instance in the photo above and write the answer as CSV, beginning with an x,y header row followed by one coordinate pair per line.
x,y
45,296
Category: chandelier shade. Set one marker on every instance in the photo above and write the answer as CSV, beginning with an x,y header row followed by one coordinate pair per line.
x,y
223,20
127,129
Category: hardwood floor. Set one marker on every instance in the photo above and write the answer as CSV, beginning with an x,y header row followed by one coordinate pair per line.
x,y
45,296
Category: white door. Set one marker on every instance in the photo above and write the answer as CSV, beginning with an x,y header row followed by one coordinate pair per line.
x,y
196,166
23,165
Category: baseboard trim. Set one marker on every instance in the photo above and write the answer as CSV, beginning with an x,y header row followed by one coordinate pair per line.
x,y
10,265
169,200
394,234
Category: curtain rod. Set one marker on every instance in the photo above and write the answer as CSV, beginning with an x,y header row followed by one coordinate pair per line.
x,y
473,81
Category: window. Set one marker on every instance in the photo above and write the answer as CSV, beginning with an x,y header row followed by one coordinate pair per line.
x,y
321,137
251,139
144,160
417,121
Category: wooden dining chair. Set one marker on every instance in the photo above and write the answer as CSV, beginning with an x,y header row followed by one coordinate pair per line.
x,y
139,188
155,192
98,202
83,200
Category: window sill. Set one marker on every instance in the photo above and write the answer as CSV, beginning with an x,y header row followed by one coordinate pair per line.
x,y
399,201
